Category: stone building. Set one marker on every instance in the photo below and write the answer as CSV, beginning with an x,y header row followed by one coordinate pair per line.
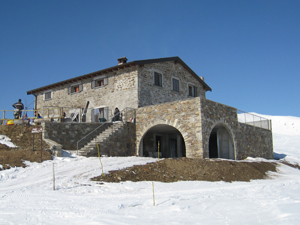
x,y
164,112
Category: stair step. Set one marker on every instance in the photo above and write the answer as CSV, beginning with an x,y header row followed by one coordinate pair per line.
x,y
100,139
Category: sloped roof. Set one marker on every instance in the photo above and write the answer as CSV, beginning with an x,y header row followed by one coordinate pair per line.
x,y
118,67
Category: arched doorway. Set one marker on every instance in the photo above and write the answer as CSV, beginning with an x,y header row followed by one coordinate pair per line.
x,y
221,143
163,140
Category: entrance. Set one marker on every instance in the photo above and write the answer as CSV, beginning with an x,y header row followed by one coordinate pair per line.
x,y
169,139
221,143
100,114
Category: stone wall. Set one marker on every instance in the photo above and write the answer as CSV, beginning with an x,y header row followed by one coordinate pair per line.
x,y
247,140
254,142
182,115
67,134
150,94
214,113
120,143
120,91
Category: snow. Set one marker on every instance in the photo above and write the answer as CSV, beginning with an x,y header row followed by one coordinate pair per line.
x,y
27,195
6,141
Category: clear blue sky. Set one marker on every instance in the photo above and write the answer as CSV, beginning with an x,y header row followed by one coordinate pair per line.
x,y
248,51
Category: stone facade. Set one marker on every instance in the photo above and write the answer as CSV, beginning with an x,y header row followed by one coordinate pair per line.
x,y
183,115
120,91
131,87
171,107
196,119
150,94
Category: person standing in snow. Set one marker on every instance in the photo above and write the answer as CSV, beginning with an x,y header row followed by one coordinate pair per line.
x,y
18,109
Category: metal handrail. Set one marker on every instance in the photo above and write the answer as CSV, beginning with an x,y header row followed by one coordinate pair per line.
x,y
106,122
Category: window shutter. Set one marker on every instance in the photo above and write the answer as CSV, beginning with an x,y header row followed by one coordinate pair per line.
x,y
106,112
93,84
105,81
195,91
80,87
69,90
160,80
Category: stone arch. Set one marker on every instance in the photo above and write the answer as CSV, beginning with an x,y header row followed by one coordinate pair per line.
x,y
168,131
221,142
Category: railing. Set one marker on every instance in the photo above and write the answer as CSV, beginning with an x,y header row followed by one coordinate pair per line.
x,y
254,120
126,115
7,115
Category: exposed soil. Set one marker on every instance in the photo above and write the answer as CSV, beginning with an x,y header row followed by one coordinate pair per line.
x,y
22,137
183,169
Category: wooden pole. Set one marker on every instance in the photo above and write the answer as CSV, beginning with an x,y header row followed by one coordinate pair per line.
x,y
53,177
157,149
41,147
153,194
32,142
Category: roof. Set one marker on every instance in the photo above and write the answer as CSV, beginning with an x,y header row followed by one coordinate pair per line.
x,y
118,67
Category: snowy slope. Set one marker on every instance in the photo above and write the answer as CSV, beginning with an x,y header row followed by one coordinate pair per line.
x,y
26,194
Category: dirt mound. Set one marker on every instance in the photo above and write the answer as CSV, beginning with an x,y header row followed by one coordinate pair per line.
x,y
183,169
22,137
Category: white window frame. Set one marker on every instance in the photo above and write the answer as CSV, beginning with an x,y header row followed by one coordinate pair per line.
x,y
194,90
94,81
161,78
175,78
46,92
80,88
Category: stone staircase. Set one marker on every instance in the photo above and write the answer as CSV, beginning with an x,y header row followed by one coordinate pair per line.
x,y
100,139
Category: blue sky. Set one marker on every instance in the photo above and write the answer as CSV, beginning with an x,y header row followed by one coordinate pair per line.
x,y
247,51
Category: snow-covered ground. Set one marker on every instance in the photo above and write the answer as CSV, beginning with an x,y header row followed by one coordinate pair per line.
x,y
27,195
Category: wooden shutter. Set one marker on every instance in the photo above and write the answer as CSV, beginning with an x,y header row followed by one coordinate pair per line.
x,y
195,91
70,90
106,113
105,81
80,87
93,84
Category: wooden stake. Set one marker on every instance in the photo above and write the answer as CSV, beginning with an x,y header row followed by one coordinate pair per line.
x,y
153,194
53,177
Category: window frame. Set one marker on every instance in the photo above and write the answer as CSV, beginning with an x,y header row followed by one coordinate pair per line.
x,y
71,88
160,78
45,95
194,90
178,84
99,78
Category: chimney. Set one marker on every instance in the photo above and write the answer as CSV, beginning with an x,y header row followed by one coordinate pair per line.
x,y
122,60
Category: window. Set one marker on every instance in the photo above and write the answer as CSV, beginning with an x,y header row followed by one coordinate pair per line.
x,y
192,91
157,79
99,82
76,88
48,95
175,84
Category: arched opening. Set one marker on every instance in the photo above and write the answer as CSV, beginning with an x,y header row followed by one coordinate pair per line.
x,y
221,143
163,140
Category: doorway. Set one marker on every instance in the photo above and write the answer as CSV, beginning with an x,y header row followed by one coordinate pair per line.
x,y
221,143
